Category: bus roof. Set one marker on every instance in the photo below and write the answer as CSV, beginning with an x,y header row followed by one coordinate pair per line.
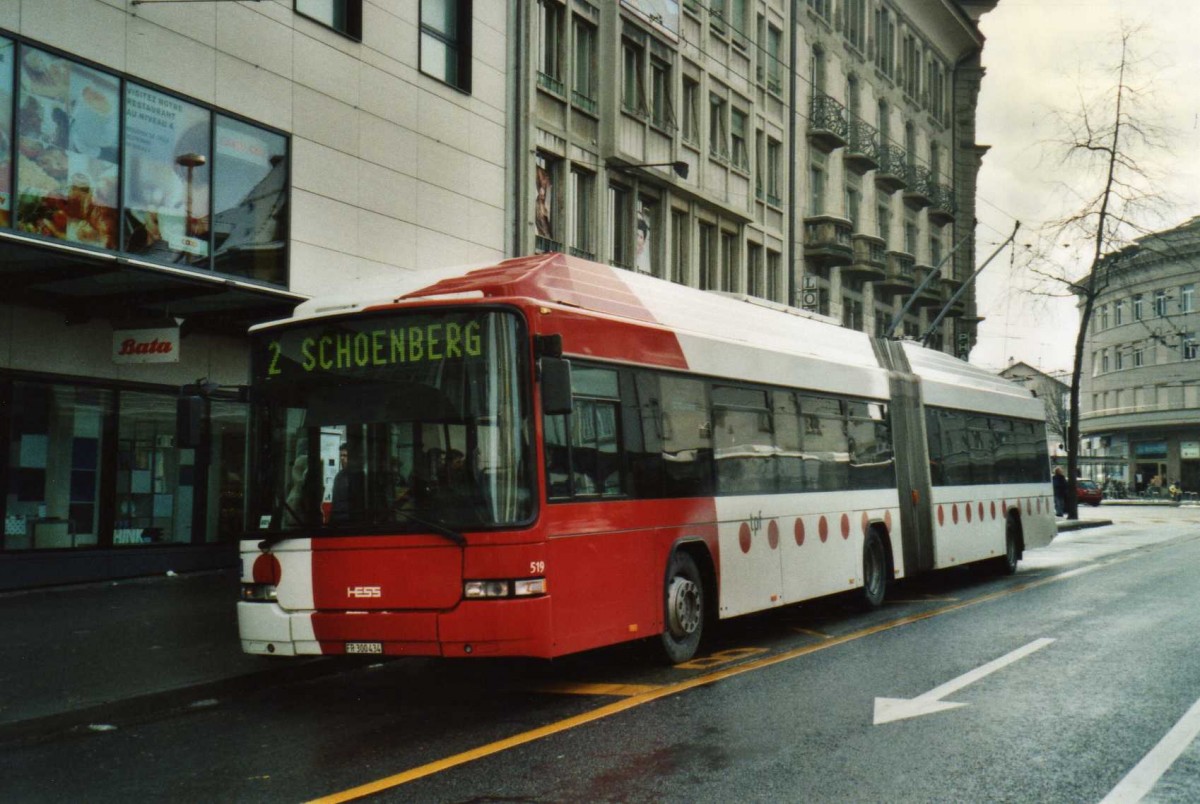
x,y
719,334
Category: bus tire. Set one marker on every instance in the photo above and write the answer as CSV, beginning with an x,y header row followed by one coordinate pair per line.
x,y
875,565
1007,563
683,608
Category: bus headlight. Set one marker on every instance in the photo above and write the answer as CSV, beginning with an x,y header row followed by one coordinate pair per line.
x,y
258,592
525,587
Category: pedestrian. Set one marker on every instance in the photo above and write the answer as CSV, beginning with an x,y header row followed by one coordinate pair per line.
x,y
348,487
1060,491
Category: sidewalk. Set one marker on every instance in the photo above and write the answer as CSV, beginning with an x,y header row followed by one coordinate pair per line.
x,y
78,655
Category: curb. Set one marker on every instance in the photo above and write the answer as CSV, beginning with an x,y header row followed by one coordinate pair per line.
x,y
1082,524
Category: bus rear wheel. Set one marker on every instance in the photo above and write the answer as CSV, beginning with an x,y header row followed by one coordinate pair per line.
x,y
683,609
1007,563
874,571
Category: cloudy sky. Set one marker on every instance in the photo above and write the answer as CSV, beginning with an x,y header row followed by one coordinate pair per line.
x,y
1040,56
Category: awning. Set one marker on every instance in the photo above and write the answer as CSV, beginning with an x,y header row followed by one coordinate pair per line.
x,y
83,285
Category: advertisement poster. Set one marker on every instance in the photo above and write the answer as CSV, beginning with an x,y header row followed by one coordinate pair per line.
x,y
250,201
544,202
68,119
643,242
167,169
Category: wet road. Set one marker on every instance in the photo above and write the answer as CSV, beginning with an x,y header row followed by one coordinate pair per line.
x,y
1070,681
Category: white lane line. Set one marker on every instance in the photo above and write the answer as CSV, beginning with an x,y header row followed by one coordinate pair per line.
x,y
1141,780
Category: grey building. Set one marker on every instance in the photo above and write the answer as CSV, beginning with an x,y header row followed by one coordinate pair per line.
x,y
1140,393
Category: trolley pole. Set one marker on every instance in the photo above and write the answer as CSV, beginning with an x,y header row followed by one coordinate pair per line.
x,y
942,314
937,269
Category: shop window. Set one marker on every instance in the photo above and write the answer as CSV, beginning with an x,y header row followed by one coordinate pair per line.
x,y
7,55
57,439
226,480
250,202
446,41
156,480
168,166
343,16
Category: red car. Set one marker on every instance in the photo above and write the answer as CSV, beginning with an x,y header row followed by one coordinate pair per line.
x,y
1087,492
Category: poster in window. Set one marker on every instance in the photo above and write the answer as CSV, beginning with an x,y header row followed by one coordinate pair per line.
x,y
68,118
7,53
168,162
250,210
544,200
643,242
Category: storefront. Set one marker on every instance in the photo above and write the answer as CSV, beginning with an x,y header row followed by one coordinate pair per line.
x,y
141,234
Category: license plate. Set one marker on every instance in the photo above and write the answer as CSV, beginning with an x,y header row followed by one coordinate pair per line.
x,y
364,647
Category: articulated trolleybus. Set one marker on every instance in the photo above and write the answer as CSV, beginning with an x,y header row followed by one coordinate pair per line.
x,y
550,455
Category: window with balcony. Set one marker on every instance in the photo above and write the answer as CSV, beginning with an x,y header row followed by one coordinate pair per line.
x,y
551,21
445,42
343,16
583,79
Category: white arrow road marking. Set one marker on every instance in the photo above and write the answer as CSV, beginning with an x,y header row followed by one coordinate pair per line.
x,y
1145,775
889,709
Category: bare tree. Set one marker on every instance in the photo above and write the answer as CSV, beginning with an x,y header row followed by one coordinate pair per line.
x,y
1103,140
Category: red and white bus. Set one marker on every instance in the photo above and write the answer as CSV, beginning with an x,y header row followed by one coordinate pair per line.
x,y
550,455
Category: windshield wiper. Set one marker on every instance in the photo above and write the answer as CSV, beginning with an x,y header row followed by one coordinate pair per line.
x,y
436,527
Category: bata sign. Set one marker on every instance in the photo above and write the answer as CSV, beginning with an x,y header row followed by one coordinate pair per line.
x,y
146,345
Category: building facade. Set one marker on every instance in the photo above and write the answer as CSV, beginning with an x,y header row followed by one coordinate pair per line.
x,y
1056,397
819,154
1140,390
170,174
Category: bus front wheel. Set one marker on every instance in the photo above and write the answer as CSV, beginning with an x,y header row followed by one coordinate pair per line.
x,y
683,609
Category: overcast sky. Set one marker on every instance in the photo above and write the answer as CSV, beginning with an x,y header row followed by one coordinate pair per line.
x,y
1038,55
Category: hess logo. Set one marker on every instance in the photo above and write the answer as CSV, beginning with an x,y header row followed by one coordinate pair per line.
x,y
364,591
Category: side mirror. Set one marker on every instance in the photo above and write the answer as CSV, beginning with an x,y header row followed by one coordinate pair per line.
x,y
556,386
189,421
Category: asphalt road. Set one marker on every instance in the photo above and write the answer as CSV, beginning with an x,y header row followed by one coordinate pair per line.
x,y
1074,680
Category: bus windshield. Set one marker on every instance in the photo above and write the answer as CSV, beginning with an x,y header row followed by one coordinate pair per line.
x,y
399,422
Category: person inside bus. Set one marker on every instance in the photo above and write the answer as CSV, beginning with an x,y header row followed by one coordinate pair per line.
x,y
348,487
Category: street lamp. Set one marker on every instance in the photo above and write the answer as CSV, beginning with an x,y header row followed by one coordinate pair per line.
x,y
680,167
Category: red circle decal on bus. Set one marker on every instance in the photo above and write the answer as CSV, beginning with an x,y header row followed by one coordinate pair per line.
x,y
981,512
967,511
823,529
941,516
845,526
773,534
866,523
887,520
1029,507
744,537
993,509
798,530
266,569
954,513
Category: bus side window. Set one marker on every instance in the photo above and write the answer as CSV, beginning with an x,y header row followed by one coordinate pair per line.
x,y
558,462
686,427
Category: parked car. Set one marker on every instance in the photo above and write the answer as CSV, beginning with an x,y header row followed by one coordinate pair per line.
x,y
1088,493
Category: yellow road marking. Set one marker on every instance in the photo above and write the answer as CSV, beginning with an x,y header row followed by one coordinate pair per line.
x,y
811,633
656,693
584,688
719,658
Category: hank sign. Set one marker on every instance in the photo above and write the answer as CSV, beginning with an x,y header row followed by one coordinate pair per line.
x,y
160,345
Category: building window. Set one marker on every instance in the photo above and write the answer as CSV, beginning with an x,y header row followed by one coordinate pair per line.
x,y
708,256
912,66
822,8
633,86
883,217
737,133
856,23
679,246
729,262
1119,313
718,143
691,114
446,41
717,12
817,167
755,278
1118,359
774,274
1190,347
545,204
647,248
774,169
1103,317
1138,307
1187,299
583,87
551,20
854,200
1104,369
1160,303
620,212
343,16
662,108
1139,357
770,52
885,42
583,202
